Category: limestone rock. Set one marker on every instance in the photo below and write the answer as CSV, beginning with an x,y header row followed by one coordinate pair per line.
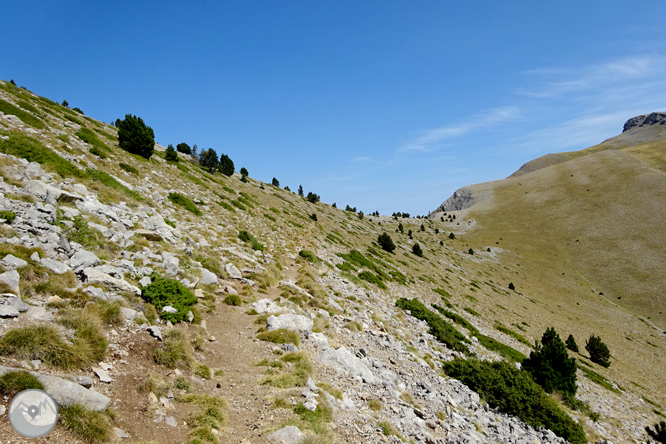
x,y
96,277
65,392
11,262
54,266
83,259
267,306
153,236
11,280
290,321
207,277
343,359
232,271
287,435
39,314
7,311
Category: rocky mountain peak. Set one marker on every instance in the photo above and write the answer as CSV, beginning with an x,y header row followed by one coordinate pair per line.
x,y
656,118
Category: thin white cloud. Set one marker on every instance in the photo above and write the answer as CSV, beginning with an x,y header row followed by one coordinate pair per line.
x,y
555,82
435,139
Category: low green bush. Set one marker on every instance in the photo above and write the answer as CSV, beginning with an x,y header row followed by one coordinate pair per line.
x,y
89,137
163,291
233,299
109,181
8,216
308,256
25,116
246,236
129,168
514,392
372,278
184,202
439,328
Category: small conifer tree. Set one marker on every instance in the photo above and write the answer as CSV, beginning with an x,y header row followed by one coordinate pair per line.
x,y
275,182
300,190
659,432
244,172
401,228
550,364
571,344
598,351
135,136
416,249
452,236
385,241
170,154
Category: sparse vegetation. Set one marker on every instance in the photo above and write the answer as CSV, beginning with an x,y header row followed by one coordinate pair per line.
x,y
90,426
280,336
174,350
34,151
12,383
184,202
514,392
246,236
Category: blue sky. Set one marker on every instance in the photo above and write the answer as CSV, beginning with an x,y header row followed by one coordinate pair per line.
x,y
382,105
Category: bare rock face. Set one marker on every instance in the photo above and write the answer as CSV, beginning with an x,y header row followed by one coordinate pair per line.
x,y
645,120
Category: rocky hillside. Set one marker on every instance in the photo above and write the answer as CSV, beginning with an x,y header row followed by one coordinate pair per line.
x,y
157,302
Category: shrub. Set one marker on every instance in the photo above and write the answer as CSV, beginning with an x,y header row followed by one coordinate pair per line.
x,y
416,249
452,236
184,202
511,286
514,392
12,383
598,351
372,278
233,299
184,148
91,138
571,344
135,136
162,292
439,328
8,216
170,155
248,237
313,217
129,168
244,172
385,241
308,256
550,364
275,182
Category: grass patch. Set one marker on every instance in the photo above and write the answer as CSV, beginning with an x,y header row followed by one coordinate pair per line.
x,y
598,379
184,202
233,299
439,328
90,137
174,351
296,374
514,392
90,426
25,116
316,419
83,234
309,256
280,336
372,278
12,383
210,416
513,334
129,168
32,150
8,216
109,181
203,371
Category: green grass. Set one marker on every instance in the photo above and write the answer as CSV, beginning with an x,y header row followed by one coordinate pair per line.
x,y
309,256
26,117
233,299
109,181
174,350
12,383
514,392
184,202
91,427
372,278
513,334
280,336
295,376
246,236
32,150
83,234
91,138
598,379
129,168
8,216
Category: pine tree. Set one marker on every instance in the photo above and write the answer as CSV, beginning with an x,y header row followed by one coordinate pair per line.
x,y
183,148
550,364
571,344
452,236
275,182
226,165
385,241
416,249
244,172
659,432
208,159
135,136
300,190
401,228
171,155
598,351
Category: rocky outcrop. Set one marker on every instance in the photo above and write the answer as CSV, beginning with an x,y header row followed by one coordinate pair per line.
x,y
658,118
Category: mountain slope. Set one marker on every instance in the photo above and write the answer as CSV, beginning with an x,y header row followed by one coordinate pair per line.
x,y
110,222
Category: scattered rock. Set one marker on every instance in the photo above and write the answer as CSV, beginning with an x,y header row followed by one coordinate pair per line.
x,y
290,321
149,235
170,421
54,266
83,259
287,435
7,311
39,314
96,277
155,332
11,280
102,374
120,433
207,277
232,271
12,262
